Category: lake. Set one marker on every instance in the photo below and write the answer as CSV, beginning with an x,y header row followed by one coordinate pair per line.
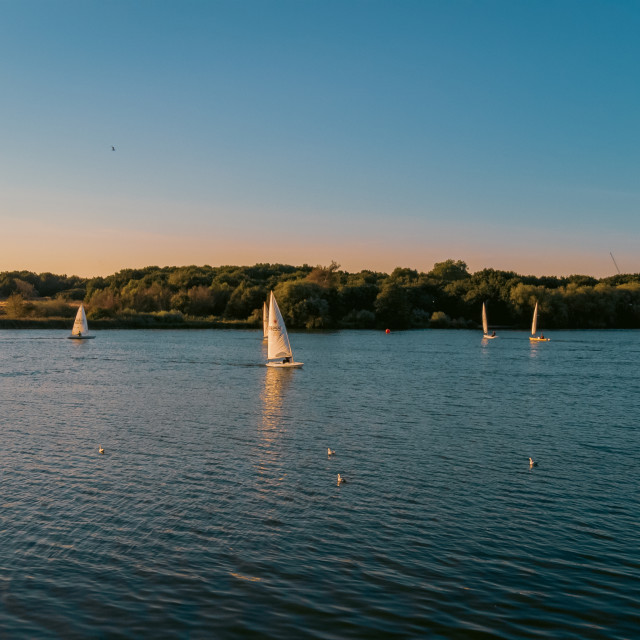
x,y
215,511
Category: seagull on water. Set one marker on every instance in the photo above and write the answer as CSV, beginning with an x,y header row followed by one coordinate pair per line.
x,y
341,480
331,452
100,449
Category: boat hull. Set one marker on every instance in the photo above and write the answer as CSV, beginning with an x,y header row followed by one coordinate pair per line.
x,y
489,337
539,339
80,337
285,365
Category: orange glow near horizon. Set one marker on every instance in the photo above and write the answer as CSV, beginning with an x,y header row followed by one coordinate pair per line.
x,y
101,252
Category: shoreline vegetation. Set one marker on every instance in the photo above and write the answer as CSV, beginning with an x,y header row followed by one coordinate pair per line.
x,y
317,298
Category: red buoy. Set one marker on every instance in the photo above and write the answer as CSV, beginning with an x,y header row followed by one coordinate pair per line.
x,y
388,331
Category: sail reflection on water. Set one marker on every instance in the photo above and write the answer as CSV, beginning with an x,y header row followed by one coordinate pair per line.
x,y
272,425
273,398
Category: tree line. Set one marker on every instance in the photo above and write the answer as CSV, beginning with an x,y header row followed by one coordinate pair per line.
x,y
326,297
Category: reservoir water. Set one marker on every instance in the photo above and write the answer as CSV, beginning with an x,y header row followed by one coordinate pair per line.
x,y
215,512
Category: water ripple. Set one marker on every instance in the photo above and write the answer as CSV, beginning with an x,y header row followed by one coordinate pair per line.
x,y
215,510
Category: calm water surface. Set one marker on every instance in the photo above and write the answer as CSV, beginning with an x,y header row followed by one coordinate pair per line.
x,y
215,512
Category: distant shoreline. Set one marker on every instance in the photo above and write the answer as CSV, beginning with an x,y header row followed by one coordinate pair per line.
x,y
318,298
124,323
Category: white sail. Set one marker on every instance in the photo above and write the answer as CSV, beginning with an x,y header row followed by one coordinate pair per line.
x,y
278,342
265,321
485,324
80,327
534,324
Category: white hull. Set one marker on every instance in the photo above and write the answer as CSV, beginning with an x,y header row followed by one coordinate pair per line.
x,y
485,337
285,365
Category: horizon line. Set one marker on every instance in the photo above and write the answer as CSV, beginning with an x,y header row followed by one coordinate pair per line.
x,y
312,266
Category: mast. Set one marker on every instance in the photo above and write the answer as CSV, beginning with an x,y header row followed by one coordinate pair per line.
x,y
614,262
265,321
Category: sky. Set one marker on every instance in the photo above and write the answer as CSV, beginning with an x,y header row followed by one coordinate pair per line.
x,y
376,133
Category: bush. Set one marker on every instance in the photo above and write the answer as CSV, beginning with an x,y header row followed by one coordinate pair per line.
x,y
440,320
100,313
359,319
15,306
52,309
420,318
72,294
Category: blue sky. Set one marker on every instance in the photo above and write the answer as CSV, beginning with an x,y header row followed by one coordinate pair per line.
x,y
377,134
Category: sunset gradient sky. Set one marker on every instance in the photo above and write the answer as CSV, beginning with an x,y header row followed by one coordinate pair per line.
x,y
374,133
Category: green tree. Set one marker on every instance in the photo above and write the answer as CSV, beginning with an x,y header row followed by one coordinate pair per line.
x,y
325,276
103,303
7,285
15,306
244,300
303,304
353,298
450,270
201,301
392,307
404,276
25,288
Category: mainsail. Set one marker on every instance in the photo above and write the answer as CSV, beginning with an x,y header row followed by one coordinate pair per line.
x,y
534,324
265,321
278,344
80,327
485,324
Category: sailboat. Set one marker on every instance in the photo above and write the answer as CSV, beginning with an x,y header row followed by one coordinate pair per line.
x,y
80,328
265,321
485,325
279,353
534,328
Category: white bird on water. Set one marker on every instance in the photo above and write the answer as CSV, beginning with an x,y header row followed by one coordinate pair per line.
x,y
331,452
100,449
341,480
